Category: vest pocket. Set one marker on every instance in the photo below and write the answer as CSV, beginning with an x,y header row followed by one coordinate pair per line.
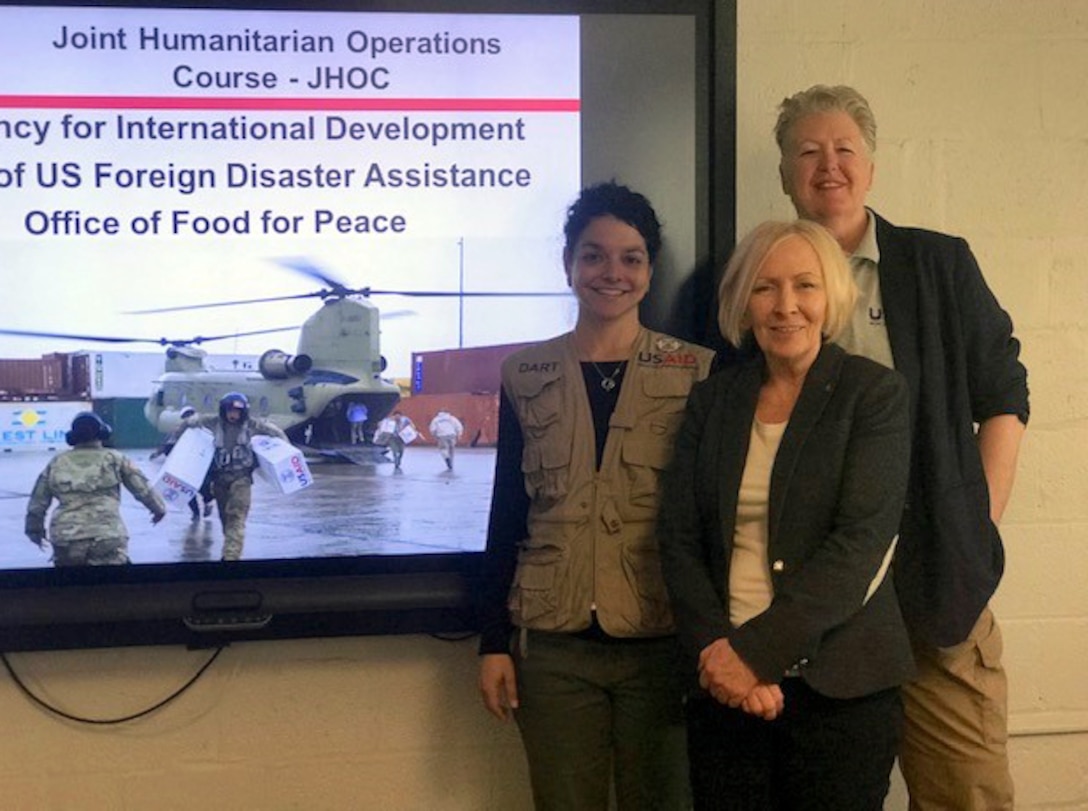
x,y
533,592
642,569
545,460
546,466
539,401
667,392
667,397
643,463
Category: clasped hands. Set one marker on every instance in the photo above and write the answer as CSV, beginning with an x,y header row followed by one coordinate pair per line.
x,y
730,681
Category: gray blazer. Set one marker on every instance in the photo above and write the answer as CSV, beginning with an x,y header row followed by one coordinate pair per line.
x,y
836,497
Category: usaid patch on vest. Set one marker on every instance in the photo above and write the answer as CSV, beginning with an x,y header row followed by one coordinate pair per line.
x,y
281,464
668,352
184,468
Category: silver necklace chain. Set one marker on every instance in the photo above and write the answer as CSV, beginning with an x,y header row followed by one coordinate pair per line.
x,y
608,382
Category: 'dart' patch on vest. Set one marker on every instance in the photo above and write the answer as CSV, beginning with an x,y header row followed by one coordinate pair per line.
x,y
546,366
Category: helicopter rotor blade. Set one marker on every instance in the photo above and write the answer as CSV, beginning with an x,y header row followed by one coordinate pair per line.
x,y
199,339
338,289
469,293
182,307
115,339
301,264
310,268
25,333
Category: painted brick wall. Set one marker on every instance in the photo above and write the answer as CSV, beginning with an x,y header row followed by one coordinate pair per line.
x,y
982,132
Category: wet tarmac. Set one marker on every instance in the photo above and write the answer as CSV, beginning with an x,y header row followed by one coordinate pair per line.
x,y
350,509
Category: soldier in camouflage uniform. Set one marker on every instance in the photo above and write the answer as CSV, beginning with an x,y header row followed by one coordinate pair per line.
x,y
233,465
86,528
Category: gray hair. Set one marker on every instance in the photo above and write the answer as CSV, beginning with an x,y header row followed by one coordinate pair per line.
x,y
821,98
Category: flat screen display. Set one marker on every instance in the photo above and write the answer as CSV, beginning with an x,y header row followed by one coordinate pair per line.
x,y
324,208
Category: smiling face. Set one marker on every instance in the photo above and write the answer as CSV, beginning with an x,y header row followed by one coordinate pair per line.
x,y
609,270
788,305
827,172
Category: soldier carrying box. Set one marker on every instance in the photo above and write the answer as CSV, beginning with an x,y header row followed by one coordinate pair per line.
x,y
233,464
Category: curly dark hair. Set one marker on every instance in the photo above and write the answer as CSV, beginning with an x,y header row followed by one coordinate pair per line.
x,y
619,201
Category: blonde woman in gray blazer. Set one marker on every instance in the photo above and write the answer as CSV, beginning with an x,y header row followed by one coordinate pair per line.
x,y
777,529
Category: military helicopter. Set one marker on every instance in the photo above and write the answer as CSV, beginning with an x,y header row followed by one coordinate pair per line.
x,y
337,364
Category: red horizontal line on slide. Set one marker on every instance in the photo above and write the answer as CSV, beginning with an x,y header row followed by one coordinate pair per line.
x,y
279,104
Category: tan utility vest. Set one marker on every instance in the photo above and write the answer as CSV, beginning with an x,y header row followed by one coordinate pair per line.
x,y
592,544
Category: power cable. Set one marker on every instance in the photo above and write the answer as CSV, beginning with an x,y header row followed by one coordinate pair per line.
x,y
45,705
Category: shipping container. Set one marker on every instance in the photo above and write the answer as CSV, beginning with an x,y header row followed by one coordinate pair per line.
x,y
43,377
474,370
42,424
122,374
130,427
37,425
58,373
131,374
479,413
79,375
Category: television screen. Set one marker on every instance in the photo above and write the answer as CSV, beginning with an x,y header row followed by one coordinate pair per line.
x,y
344,212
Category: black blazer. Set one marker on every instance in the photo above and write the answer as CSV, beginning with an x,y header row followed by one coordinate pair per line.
x,y
954,344
836,497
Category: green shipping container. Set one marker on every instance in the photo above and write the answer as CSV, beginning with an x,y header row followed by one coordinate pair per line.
x,y
130,427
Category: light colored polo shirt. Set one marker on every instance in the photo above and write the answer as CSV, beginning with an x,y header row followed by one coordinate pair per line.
x,y
867,332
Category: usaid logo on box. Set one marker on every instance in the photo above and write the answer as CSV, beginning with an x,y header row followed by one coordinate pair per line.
x,y
174,491
281,464
184,469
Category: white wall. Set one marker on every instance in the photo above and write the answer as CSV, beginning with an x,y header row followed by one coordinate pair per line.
x,y
315,725
983,132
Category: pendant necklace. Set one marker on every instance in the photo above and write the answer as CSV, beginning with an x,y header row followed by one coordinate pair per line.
x,y
608,382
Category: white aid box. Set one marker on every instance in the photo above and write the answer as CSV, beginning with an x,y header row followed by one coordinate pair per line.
x,y
281,464
386,429
183,471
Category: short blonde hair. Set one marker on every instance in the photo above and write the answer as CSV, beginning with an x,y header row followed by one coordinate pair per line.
x,y
744,265
821,98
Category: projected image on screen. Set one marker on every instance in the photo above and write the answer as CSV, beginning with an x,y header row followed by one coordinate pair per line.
x,y
342,216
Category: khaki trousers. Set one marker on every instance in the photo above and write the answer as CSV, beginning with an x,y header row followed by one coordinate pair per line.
x,y
954,753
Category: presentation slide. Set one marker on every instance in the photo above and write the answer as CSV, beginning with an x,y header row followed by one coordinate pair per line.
x,y
352,189
158,159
